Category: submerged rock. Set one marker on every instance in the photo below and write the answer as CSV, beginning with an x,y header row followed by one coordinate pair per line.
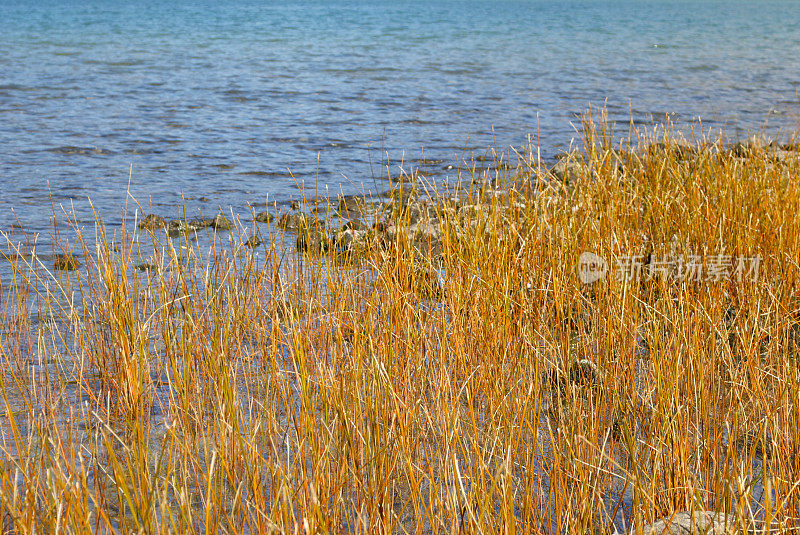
x,y
355,224
264,217
65,262
200,222
351,240
179,227
584,372
293,221
582,375
220,222
313,238
152,222
697,523
252,242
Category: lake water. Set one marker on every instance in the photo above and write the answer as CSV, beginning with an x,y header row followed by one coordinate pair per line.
x,y
225,103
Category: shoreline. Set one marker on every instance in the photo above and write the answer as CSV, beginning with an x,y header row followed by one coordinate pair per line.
x,y
474,347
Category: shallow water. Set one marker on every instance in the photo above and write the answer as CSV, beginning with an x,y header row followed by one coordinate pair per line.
x,y
225,103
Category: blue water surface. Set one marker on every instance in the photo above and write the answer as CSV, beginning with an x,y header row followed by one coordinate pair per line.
x,y
225,103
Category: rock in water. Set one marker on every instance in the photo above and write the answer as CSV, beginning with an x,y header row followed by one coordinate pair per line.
x,y
220,222
355,224
295,221
312,239
65,262
152,222
264,217
697,523
201,222
179,227
351,241
253,242
584,372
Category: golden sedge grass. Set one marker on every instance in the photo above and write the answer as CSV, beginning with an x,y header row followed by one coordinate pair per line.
x,y
474,384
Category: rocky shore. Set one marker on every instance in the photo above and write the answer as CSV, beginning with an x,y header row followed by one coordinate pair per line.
x,y
350,225
354,226
484,275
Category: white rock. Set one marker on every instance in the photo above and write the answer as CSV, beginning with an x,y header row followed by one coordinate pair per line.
x,y
697,523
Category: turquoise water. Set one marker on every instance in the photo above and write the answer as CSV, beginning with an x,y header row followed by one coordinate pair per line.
x,y
229,102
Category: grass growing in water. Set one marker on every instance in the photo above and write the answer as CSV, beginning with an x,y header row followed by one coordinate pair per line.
x,y
451,373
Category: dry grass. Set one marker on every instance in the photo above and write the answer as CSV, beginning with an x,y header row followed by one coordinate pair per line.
x,y
392,392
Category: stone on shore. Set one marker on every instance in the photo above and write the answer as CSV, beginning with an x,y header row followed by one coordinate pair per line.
x,y
569,169
220,222
152,222
200,222
65,262
585,373
351,240
697,523
313,238
264,217
252,242
177,228
294,221
678,148
752,145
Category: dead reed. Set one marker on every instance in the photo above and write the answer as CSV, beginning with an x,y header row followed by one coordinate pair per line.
x,y
451,373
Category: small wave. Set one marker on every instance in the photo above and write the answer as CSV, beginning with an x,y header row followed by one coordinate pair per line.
x,y
427,161
15,87
236,95
702,68
271,174
86,151
455,72
125,63
419,122
143,151
359,70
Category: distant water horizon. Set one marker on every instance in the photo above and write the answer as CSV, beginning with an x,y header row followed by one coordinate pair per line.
x,y
205,105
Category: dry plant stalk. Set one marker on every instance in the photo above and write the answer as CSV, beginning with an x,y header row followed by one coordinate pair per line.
x,y
474,384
